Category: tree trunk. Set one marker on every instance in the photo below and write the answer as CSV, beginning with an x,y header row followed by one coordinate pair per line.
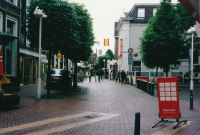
x,y
67,75
156,71
166,70
48,73
75,74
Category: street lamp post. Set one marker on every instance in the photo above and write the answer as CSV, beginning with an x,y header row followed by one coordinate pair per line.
x,y
39,14
191,31
104,68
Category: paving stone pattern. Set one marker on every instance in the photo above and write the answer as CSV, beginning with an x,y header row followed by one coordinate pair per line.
x,y
108,109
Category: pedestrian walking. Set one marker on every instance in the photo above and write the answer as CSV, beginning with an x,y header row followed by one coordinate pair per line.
x,y
123,76
99,75
119,75
89,74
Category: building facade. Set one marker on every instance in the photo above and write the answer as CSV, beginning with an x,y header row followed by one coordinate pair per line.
x,y
130,28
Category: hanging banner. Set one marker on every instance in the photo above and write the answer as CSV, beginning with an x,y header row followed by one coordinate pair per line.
x,y
106,42
1,59
168,97
121,47
100,52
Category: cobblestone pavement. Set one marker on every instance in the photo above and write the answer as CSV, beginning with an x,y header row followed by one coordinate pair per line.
x,y
108,109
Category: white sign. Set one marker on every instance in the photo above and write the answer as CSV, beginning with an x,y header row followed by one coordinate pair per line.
x,y
130,59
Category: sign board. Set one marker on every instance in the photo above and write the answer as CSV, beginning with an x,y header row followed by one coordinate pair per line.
x,y
121,47
58,56
198,29
130,59
130,50
168,99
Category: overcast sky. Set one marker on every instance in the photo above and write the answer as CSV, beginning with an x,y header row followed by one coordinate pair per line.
x,y
105,13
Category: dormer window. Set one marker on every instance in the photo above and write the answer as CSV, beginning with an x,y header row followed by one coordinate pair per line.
x,y
141,12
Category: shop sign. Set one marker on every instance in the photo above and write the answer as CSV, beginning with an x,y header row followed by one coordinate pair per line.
x,y
168,97
121,47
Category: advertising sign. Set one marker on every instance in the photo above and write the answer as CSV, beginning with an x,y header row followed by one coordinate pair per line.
x,y
121,47
59,56
142,78
168,99
1,60
100,52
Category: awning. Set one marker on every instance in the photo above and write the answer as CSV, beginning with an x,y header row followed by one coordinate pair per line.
x,y
5,38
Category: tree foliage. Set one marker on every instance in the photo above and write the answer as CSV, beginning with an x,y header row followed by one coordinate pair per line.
x,y
109,54
163,40
68,28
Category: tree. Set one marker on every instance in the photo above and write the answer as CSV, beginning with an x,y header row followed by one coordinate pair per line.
x,y
68,28
162,41
82,49
110,54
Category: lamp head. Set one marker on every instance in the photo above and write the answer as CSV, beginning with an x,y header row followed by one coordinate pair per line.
x,y
38,13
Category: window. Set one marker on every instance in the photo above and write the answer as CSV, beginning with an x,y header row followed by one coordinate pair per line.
x,y
136,66
8,60
141,12
154,11
10,65
10,26
13,2
1,22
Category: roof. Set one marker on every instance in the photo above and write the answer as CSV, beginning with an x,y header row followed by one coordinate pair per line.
x,y
148,12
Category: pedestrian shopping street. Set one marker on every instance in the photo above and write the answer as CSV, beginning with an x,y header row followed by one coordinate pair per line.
x,y
106,107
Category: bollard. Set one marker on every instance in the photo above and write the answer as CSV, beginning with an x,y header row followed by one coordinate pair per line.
x,y
141,83
152,89
131,80
137,83
137,123
145,86
149,88
127,80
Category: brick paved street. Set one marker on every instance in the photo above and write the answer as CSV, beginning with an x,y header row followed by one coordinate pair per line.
x,y
107,109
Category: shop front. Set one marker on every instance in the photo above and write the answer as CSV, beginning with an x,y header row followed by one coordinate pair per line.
x,y
9,70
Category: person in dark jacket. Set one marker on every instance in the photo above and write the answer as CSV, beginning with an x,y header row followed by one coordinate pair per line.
x,y
123,76
119,75
99,75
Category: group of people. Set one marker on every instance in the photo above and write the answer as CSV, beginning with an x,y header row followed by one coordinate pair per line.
x,y
121,76
99,73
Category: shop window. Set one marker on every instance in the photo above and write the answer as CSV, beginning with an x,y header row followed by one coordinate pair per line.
x,y
141,12
136,66
154,11
8,60
11,47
